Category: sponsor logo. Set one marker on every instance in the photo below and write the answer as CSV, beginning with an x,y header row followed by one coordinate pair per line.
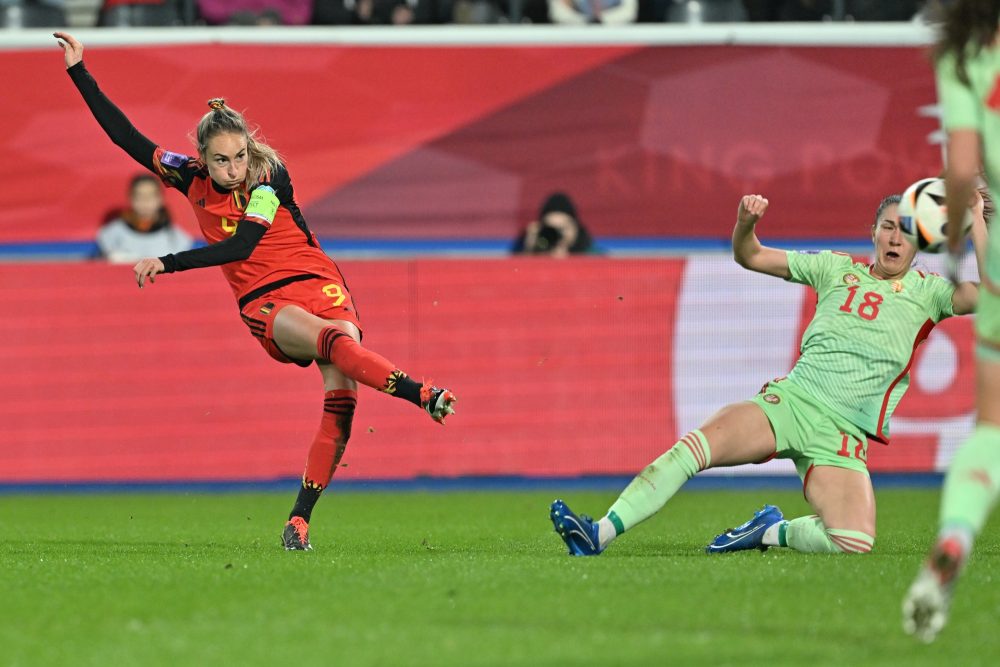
x,y
808,252
173,159
773,399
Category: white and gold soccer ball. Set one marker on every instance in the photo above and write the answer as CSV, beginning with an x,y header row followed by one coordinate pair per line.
x,y
923,216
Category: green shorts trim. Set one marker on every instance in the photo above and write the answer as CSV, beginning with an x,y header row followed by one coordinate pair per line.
x,y
809,434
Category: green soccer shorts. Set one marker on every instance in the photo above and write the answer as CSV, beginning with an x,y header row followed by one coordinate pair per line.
x,y
809,434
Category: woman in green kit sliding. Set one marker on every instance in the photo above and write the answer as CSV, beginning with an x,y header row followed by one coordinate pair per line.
x,y
852,370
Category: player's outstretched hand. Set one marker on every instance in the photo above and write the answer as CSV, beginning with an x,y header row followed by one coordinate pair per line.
x,y
147,268
72,49
752,207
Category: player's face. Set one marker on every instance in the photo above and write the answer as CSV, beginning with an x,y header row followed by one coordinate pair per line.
x,y
226,158
893,252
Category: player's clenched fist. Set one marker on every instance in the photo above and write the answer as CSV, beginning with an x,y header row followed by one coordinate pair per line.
x,y
751,208
147,268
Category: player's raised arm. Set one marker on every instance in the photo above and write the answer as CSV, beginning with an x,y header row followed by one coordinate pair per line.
x,y
112,120
747,249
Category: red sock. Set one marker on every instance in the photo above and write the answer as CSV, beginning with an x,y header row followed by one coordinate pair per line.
x,y
331,440
365,366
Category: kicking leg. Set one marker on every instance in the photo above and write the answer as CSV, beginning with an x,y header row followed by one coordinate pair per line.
x,y
302,335
738,433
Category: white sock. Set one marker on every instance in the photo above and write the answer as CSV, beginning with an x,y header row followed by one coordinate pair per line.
x,y
605,532
771,534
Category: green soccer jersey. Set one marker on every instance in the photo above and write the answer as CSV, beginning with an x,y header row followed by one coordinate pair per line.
x,y
976,107
857,351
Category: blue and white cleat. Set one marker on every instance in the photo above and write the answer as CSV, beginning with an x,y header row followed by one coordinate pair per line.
x,y
749,535
578,532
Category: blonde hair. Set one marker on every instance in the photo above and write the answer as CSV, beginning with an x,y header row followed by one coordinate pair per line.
x,y
262,160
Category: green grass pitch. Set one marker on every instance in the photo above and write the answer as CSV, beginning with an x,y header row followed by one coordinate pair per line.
x,y
460,579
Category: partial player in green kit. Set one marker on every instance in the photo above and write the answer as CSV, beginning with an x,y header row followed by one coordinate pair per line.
x,y
852,370
967,63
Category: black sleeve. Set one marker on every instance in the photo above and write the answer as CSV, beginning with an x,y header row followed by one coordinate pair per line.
x,y
236,248
115,123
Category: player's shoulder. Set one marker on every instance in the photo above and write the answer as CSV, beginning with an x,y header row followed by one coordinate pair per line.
x,y
830,258
277,175
925,277
177,160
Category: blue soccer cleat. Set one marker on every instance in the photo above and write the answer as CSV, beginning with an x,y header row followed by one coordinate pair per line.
x,y
749,535
578,532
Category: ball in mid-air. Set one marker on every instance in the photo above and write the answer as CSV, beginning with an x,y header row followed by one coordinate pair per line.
x,y
923,216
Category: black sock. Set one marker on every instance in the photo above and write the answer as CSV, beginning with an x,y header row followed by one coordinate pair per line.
x,y
408,390
304,504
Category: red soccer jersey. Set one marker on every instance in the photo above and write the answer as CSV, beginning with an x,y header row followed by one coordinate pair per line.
x,y
286,250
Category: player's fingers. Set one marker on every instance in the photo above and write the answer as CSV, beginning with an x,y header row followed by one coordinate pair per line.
x,y
140,273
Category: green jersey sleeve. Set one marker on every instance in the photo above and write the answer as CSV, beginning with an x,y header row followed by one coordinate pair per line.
x,y
941,292
816,268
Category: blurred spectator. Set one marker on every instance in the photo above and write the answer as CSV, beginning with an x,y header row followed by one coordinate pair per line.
x,y
342,12
579,12
256,12
130,13
557,231
32,13
405,12
825,10
143,229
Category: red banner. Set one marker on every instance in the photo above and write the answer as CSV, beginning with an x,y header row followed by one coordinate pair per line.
x,y
464,142
584,366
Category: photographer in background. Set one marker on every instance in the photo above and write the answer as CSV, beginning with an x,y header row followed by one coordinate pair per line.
x,y
557,232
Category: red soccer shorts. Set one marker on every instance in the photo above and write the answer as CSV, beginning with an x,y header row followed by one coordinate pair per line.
x,y
323,297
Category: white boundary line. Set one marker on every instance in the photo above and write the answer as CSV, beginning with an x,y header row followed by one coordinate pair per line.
x,y
646,34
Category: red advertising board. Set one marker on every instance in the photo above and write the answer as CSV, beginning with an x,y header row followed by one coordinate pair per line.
x,y
562,368
464,142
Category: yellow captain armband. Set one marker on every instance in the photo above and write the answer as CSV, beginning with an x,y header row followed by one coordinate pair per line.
x,y
263,204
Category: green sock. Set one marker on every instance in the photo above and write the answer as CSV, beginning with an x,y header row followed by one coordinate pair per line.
x,y
973,480
659,481
808,535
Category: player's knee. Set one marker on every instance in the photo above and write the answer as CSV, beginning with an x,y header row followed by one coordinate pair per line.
x,y
851,541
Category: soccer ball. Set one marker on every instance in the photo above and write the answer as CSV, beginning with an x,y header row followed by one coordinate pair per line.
x,y
923,217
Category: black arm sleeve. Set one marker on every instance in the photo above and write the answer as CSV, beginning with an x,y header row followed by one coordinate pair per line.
x,y
115,123
236,248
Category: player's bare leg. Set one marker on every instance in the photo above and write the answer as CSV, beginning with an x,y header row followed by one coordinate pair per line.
x,y
736,434
325,453
845,513
302,335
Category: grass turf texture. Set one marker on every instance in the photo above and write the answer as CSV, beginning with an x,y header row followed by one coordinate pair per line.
x,y
460,579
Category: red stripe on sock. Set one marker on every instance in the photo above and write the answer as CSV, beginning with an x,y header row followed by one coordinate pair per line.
x,y
691,440
850,544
